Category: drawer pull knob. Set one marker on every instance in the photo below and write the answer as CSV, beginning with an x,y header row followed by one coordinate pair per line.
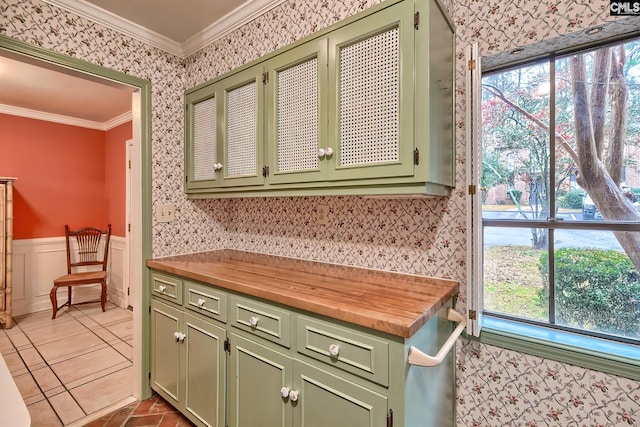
x,y
200,302
253,321
179,336
284,392
162,288
217,167
294,395
334,350
321,152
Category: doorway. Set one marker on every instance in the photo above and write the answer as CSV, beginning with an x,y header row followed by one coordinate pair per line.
x,y
141,108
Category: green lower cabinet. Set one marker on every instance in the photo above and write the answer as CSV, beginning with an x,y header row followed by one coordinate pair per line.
x,y
188,364
325,399
257,375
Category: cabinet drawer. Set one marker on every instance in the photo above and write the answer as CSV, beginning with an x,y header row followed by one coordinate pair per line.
x,y
167,287
262,320
361,354
206,301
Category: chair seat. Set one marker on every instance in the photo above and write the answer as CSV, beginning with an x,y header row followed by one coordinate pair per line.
x,y
83,278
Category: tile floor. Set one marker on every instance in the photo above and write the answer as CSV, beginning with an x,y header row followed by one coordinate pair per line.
x,y
71,367
153,412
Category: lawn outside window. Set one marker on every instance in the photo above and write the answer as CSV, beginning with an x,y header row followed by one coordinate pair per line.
x,y
560,189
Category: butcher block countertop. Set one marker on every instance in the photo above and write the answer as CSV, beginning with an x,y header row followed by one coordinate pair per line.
x,y
398,304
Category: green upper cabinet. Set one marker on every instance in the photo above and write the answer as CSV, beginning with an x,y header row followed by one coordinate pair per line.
x,y
296,113
364,107
371,86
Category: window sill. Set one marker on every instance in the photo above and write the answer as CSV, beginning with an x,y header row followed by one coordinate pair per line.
x,y
592,353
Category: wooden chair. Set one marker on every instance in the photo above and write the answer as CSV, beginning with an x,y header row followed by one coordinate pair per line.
x,y
89,253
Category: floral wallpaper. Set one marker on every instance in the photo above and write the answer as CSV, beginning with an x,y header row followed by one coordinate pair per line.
x,y
495,387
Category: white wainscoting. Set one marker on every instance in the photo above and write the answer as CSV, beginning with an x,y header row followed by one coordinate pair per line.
x,y
37,262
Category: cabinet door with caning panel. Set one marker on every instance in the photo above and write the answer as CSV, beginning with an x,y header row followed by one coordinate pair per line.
x,y
296,114
241,151
202,138
371,96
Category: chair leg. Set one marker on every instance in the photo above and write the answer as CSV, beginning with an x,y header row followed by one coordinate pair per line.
x,y
69,300
54,301
103,296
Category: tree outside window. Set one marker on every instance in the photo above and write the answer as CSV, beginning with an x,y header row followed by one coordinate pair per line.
x,y
560,184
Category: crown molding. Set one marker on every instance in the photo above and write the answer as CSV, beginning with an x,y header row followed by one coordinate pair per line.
x,y
225,25
115,22
65,120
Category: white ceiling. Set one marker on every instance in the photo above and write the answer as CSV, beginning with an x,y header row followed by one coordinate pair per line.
x,y
47,92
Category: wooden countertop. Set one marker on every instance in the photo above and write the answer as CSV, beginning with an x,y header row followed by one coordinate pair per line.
x,y
398,304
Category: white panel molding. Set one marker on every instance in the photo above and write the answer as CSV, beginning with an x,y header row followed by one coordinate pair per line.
x,y
65,120
38,261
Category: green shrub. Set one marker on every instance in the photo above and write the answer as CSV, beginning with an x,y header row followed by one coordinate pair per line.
x,y
571,200
595,289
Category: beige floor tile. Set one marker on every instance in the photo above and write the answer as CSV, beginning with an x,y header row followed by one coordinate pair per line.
x,y
18,338
104,391
124,349
27,385
46,379
55,331
54,391
87,364
70,347
122,329
31,358
66,408
15,364
36,320
97,375
42,415
34,399
6,346
105,335
112,315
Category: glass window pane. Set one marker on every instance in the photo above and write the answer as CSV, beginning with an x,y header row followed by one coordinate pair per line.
x,y
597,173
597,285
513,273
515,141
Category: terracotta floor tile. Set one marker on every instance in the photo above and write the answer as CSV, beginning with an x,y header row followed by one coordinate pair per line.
x,y
144,420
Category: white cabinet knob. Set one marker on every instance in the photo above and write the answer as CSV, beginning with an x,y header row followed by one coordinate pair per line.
x,y
179,336
253,321
217,167
322,152
284,392
162,288
294,395
334,349
200,302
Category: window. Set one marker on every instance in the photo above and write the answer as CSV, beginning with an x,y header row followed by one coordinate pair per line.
x,y
559,179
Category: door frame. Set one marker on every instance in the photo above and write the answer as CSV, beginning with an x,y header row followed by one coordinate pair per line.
x,y
142,128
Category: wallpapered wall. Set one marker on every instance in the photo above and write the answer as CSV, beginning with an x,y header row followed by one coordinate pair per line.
x,y
496,387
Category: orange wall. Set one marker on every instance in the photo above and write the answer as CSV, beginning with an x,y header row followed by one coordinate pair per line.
x,y
62,175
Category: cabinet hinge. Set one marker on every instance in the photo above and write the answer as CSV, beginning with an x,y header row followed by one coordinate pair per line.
x,y
416,20
227,345
265,77
149,309
129,227
471,65
149,376
416,156
128,291
129,164
390,418
265,171
472,315
472,189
